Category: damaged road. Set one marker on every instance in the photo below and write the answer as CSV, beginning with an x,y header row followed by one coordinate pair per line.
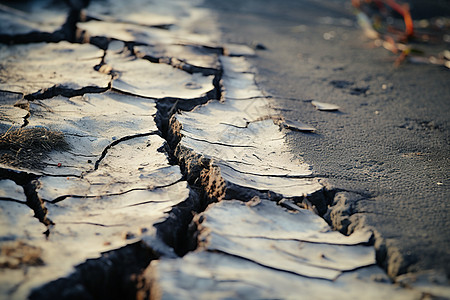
x,y
157,167
386,151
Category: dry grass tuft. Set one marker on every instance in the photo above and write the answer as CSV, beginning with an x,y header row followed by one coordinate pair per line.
x,y
28,147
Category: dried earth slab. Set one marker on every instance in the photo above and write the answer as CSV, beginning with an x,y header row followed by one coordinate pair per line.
x,y
238,50
127,32
325,106
141,34
144,78
142,12
299,242
19,236
10,191
275,223
240,86
238,80
196,59
31,19
135,164
153,22
250,153
90,124
82,229
51,69
213,275
297,126
17,222
12,114
263,251
243,146
174,16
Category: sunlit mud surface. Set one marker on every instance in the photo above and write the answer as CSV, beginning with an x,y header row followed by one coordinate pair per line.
x,y
165,173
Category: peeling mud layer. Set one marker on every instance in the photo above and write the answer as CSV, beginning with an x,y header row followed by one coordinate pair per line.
x,y
155,168
386,150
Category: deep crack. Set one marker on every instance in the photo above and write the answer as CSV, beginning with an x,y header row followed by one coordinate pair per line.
x,y
35,202
64,91
115,275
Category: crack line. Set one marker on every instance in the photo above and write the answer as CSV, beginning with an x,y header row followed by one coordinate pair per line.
x,y
6,199
63,197
263,175
94,224
219,143
126,138
293,239
272,268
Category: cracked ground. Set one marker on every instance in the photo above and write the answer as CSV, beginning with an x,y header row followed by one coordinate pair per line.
x,y
139,159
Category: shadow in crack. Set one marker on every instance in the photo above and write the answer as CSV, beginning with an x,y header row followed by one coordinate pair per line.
x,y
115,275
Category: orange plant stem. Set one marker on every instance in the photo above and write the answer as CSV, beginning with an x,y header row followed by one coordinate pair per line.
x,y
404,11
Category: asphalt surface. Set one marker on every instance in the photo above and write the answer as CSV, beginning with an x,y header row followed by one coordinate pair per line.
x,y
390,140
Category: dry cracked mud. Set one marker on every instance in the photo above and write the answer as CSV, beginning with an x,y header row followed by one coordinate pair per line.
x,y
172,178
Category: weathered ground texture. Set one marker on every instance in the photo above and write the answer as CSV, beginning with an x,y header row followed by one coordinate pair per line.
x,y
386,151
139,160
